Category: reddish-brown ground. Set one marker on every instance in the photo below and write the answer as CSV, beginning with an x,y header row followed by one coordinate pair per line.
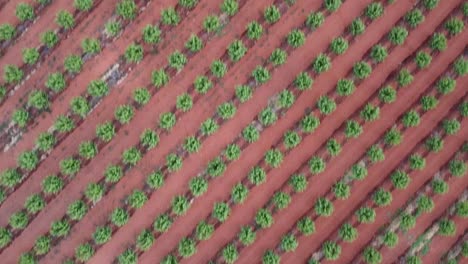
x,y
163,100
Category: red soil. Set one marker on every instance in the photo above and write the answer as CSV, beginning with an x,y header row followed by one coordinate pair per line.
x,y
7,11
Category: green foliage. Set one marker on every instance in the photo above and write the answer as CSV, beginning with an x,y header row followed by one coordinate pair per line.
x,y
332,5
42,245
454,26
184,102
281,200
381,197
333,147
272,14
278,57
414,18
341,190
188,3
347,232
429,102
303,81
209,127
254,30
133,53
216,167
397,35
91,46
232,152
372,255
353,129
261,74
423,59
286,99
70,166
226,110
390,239
221,211
60,228
84,252
149,139
87,150
119,217
167,120
274,158
198,186
438,42
94,192
34,203
379,53
417,162
12,74
230,253
250,133
407,221
425,204
218,68
461,209
411,119
230,7
24,12
202,84
102,235
315,20
430,4
296,38
187,247
257,175
326,105
65,20
247,235
19,220
38,99
204,230
439,186
7,32
267,117
461,66
45,141
77,210
331,250
263,218
30,55
177,60
374,10
309,123
49,39
151,34
137,199
298,182
83,5
141,96
73,64
28,160
159,78
56,82
105,131
306,226
400,179
291,139
128,257
64,124
289,243
434,143
457,168
366,215
463,109
113,173
194,44
446,85
127,9
322,63
162,223
451,126
239,193
98,88
124,114
362,70
270,257
170,17
180,205
236,50
155,180
3,93
131,156
370,113
10,178
357,27
27,258
339,45
358,172
316,165
113,28
211,23
323,207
